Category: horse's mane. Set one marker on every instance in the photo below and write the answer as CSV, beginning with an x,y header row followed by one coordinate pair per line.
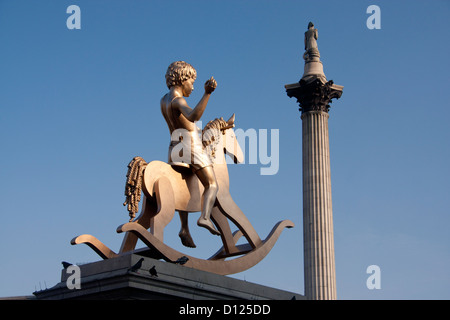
x,y
214,125
211,135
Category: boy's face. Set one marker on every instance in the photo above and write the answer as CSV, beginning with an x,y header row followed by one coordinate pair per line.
x,y
187,87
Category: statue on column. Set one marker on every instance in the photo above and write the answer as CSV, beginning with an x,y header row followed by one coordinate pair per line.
x,y
311,49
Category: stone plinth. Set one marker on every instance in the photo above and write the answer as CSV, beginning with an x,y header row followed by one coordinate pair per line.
x,y
111,279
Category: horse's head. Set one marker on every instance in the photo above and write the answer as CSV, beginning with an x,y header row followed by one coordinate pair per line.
x,y
231,145
219,139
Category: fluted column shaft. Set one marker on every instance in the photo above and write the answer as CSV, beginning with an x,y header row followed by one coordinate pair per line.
x,y
314,96
319,265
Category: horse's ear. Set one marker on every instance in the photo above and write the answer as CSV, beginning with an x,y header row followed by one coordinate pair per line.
x,y
231,120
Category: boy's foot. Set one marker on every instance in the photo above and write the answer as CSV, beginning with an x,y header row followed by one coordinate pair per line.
x,y
208,225
186,239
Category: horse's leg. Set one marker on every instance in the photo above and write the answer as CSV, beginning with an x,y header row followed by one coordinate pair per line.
x,y
230,209
144,219
153,216
165,201
225,231
184,233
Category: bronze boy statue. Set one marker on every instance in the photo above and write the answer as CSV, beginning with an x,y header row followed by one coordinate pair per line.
x,y
186,143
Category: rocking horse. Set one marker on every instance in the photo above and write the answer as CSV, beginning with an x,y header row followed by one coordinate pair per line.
x,y
167,188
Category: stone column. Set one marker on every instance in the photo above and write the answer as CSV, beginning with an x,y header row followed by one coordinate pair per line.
x,y
314,94
320,277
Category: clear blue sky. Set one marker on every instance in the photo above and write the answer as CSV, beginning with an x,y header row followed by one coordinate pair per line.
x,y
78,105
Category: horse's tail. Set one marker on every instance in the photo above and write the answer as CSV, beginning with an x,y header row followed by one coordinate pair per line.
x,y
133,185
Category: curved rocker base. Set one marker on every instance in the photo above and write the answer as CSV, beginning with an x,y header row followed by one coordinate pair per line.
x,y
216,264
96,245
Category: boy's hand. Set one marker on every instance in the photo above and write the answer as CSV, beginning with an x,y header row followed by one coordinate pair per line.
x,y
210,85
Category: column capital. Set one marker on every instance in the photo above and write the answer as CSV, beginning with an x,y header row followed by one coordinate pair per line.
x,y
314,94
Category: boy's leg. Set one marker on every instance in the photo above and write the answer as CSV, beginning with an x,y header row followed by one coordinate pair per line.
x,y
184,233
208,179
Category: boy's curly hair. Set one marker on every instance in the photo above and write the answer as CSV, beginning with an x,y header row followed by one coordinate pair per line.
x,y
178,72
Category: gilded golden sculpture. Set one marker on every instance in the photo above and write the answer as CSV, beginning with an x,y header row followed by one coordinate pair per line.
x,y
194,179
180,118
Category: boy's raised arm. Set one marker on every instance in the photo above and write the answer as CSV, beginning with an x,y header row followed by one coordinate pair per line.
x,y
196,113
